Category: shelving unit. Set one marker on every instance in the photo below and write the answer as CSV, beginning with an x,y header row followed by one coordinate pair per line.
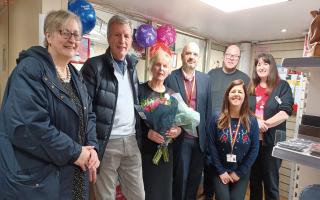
x,y
298,157
311,64
307,169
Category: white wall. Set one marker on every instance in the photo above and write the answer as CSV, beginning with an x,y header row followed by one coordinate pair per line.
x,y
23,27
4,46
19,30
280,49
245,60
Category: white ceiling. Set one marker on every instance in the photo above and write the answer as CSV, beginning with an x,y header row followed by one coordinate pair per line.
x,y
256,24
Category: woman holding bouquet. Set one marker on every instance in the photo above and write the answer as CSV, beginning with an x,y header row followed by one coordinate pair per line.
x,y
157,178
233,143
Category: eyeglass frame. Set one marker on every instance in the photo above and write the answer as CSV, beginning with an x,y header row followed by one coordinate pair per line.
x,y
66,34
231,56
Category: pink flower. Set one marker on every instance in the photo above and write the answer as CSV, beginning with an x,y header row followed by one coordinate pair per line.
x,y
150,104
245,138
147,108
155,105
224,138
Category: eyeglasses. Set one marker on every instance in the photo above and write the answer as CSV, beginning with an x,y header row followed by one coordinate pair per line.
x,y
67,35
230,56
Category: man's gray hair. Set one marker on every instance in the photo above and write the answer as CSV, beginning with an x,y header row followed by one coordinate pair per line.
x,y
117,19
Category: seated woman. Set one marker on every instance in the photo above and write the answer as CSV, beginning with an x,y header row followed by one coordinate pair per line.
x,y
157,178
233,143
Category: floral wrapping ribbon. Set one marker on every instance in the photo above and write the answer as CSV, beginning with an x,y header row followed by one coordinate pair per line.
x,y
157,46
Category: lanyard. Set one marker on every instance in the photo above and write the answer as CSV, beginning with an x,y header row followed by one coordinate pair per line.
x,y
233,136
189,95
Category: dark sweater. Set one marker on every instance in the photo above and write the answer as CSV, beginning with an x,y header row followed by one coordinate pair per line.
x,y
219,83
246,146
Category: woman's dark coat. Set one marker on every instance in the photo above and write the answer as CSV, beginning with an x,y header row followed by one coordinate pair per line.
x,y
39,127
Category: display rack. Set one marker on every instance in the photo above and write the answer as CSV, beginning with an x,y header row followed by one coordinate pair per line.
x,y
303,158
307,171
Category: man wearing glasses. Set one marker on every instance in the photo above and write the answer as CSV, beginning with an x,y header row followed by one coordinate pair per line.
x,y
220,79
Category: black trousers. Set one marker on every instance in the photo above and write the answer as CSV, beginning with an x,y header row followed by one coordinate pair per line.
x,y
188,170
231,191
265,170
157,179
208,174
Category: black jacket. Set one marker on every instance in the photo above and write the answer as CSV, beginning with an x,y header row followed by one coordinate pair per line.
x,y
102,84
272,107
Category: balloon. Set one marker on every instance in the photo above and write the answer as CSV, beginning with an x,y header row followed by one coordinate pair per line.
x,y
86,12
73,4
135,44
146,35
166,34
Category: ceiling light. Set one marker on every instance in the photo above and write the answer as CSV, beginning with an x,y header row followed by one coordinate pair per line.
x,y
236,5
283,30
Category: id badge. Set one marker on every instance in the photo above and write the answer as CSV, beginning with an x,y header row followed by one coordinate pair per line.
x,y
231,158
278,100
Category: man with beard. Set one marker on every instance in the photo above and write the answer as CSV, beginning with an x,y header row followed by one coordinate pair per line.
x,y
188,150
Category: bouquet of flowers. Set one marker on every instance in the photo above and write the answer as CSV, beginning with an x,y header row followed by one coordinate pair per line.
x,y
187,118
160,114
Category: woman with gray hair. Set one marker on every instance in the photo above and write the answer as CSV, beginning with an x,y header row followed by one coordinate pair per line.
x,y
47,128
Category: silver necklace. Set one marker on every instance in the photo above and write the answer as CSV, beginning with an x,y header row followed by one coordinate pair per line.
x,y
64,78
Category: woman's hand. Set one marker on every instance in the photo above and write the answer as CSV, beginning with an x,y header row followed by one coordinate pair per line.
x,y
84,157
277,119
93,164
155,137
94,160
234,177
225,178
263,127
173,132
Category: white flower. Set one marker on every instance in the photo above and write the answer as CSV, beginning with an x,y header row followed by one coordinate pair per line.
x,y
167,96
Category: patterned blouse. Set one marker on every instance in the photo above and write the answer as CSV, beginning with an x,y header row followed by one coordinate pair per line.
x,y
78,185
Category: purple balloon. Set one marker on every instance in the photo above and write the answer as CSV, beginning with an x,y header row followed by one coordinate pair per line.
x,y
146,35
166,34
135,44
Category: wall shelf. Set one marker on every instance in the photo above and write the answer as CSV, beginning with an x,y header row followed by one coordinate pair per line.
x,y
307,168
307,64
297,157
